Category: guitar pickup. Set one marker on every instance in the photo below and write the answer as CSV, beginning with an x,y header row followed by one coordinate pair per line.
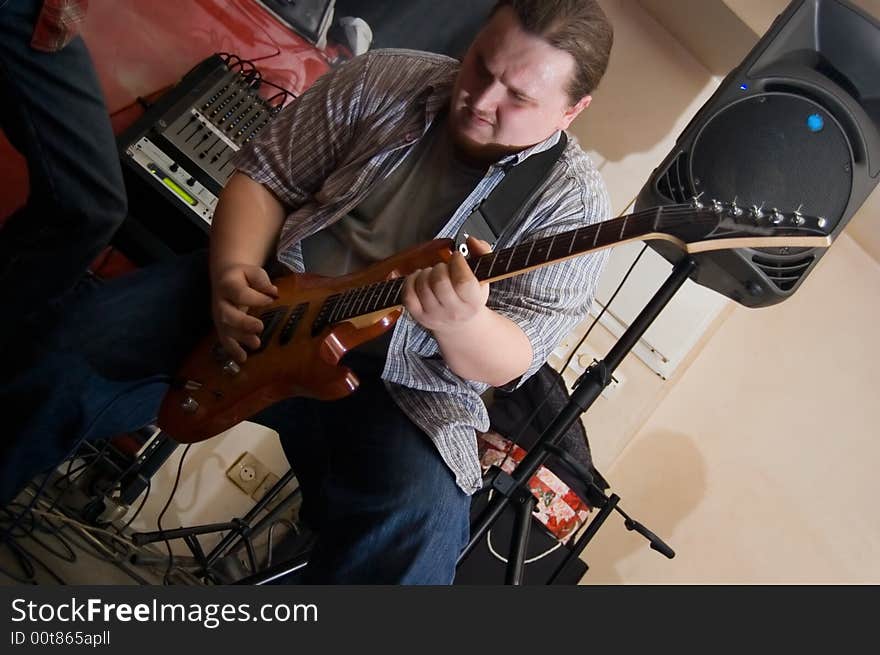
x,y
271,320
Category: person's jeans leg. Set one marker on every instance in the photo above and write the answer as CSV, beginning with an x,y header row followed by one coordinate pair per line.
x,y
104,368
53,112
388,510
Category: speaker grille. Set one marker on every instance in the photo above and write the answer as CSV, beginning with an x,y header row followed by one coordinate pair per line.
x,y
784,274
761,151
673,185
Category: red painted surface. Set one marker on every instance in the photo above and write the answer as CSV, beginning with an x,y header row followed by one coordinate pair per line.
x,y
142,46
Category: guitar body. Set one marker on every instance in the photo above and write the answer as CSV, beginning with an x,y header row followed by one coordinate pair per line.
x,y
209,394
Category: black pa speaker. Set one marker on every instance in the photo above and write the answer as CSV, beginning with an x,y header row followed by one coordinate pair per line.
x,y
795,126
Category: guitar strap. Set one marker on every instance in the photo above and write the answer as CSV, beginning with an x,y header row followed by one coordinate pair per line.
x,y
488,219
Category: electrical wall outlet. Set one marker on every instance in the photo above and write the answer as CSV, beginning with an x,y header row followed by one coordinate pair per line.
x,y
264,487
247,473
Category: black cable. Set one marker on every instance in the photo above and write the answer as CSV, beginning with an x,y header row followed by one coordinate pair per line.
x,y
98,455
165,509
528,422
138,510
30,557
26,558
69,556
42,521
604,309
24,563
281,88
263,29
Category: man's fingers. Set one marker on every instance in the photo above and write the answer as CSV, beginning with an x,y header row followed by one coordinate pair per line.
x,y
478,246
410,297
236,319
258,279
422,285
233,349
251,297
463,280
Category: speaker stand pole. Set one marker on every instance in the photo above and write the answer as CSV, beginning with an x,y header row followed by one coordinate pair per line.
x,y
514,487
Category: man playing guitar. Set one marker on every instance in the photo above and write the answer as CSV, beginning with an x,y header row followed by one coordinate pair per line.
x,y
389,150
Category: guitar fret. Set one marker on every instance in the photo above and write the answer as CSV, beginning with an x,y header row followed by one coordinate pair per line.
x,y
355,302
596,236
364,302
388,287
398,287
574,234
623,227
372,304
487,260
346,306
492,265
529,256
517,255
377,296
334,313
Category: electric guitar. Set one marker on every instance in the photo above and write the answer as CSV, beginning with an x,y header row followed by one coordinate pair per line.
x,y
316,320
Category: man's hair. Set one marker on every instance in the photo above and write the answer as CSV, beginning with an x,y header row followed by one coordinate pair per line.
x,y
579,27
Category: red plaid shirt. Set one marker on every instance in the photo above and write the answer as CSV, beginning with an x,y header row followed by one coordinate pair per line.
x,y
58,23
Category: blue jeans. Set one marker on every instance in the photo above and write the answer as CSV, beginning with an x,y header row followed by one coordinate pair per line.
x,y
385,506
53,113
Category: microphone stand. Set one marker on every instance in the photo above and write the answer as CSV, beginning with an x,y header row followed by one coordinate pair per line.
x,y
513,487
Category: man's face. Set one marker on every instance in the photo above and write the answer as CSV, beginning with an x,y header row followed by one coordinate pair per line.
x,y
511,92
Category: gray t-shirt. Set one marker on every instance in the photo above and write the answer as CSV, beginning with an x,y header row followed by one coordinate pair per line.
x,y
408,207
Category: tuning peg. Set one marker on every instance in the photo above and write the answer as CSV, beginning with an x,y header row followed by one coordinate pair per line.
x,y
696,201
734,210
717,207
822,222
757,212
776,217
798,218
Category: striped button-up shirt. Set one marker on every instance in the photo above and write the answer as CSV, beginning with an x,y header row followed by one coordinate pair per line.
x,y
323,154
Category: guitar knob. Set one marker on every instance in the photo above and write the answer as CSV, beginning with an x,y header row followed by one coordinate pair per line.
x,y
190,405
231,368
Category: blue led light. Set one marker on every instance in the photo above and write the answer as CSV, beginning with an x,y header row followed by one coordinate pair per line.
x,y
744,87
815,122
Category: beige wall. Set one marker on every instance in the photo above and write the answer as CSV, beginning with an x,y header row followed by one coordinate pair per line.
x,y
759,465
651,90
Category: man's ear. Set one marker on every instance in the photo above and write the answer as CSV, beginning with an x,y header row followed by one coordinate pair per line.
x,y
572,112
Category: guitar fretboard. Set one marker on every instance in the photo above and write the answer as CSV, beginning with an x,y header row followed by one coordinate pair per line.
x,y
685,223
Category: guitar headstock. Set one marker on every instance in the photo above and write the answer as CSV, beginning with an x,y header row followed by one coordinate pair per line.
x,y
715,224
